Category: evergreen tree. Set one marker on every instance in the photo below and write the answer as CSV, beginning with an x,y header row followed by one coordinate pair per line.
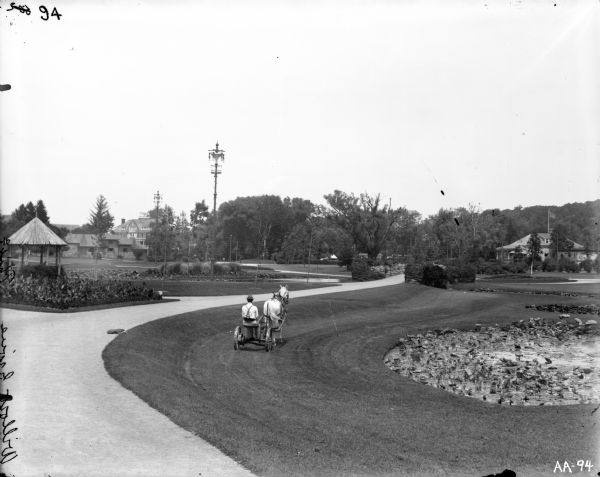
x,y
41,212
100,219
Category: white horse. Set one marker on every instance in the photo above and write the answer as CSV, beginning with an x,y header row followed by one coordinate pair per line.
x,y
275,308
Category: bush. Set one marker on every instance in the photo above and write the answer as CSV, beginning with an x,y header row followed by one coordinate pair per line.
x,y
465,273
587,265
435,276
138,253
362,271
567,265
515,267
413,272
549,265
174,268
221,268
201,268
490,268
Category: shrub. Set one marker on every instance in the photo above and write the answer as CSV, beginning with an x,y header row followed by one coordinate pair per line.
x,y
515,267
596,264
201,268
435,276
465,273
565,264
549,265
138,253
413,272
221,268
174,268
362,271
490,268
587,265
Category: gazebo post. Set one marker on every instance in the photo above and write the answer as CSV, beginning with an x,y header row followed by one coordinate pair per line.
x,y
58,254
22,257
41,255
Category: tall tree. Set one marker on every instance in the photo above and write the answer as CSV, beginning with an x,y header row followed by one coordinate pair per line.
x,y
559,241
199,214
101,221
41,212
368,223
534,247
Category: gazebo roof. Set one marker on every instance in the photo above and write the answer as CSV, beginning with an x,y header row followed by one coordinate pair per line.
x,y
35,232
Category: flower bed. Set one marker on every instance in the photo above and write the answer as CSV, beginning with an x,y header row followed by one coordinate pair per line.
x,y
63,293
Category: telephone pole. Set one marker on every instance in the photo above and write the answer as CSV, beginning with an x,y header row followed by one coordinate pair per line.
x,y
157,198
216,157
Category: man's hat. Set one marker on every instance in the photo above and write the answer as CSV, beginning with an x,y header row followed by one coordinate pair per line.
x,y
250,298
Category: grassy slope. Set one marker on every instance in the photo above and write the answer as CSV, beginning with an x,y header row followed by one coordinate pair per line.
x,y
325,404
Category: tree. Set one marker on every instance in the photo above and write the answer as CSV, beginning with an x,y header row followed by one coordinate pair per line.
x,y
100,222
559,241
161,240
100,219
364,219
199,214
41,212
534,246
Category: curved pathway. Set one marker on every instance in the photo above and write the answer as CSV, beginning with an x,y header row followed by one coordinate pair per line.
x,y
73,419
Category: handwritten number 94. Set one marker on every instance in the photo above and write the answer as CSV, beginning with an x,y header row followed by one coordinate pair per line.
x,y
46,15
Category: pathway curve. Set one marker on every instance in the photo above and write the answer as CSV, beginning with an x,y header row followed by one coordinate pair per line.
x,y
74,420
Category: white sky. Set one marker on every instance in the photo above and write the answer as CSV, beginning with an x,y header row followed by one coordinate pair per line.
x,y
496,102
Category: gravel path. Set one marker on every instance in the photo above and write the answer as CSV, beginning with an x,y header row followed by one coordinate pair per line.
x,y
73,419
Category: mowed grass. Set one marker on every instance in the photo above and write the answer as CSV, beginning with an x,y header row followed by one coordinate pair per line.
x,y
325,404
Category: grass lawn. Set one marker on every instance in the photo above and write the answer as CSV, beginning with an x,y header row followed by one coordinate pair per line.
x,y
324,403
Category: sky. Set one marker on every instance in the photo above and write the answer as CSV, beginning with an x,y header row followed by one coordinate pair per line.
x,y
495,102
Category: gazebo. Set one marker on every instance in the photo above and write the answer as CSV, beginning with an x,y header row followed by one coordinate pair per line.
x,y
37,234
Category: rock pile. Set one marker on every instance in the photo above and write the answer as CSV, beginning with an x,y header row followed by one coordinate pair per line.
x,y
526,292
531,362
580,309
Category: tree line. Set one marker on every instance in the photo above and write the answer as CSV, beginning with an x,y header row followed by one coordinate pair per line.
x,y
295,230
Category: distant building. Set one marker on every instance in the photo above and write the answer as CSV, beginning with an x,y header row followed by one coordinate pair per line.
x,y
137,229
518,250
115,246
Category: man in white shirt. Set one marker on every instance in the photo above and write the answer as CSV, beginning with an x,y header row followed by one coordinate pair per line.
x,y
250,317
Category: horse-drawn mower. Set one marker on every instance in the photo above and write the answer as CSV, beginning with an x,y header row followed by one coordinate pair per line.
x,y
262,332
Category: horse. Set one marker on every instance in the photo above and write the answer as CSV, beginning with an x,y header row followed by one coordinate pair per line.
x,y
275,308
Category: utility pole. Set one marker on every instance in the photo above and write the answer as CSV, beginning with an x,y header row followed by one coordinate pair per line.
x,y
216,157
157,198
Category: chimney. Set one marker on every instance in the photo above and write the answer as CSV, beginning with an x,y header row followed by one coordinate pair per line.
x,y
122,221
